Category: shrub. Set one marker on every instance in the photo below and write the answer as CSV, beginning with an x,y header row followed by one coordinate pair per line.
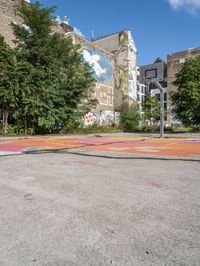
x,y
129,118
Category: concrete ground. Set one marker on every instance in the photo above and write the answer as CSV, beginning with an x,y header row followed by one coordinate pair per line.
x,y
69,209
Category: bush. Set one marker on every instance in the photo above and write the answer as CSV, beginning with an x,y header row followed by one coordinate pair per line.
x,y
94,129
181,129
19,130
129,118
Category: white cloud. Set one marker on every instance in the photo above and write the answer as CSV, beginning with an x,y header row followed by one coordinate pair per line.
x,y
189,5
93,61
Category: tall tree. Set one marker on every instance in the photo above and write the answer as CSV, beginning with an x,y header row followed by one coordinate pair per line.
x,y
61,84
13,76
186,100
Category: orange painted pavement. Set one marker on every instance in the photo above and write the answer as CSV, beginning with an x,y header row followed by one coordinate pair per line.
x,y
135,146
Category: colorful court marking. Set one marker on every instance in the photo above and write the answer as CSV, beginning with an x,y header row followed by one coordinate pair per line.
x,y
106,145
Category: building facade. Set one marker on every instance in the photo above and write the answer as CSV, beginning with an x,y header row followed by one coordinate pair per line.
x,y
175,62
103,65
157,71
8,14
141,95
122,46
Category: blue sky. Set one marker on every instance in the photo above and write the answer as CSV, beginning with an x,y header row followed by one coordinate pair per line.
x,y
159,27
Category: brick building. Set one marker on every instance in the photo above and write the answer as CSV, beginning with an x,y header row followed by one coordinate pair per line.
x,y
8,13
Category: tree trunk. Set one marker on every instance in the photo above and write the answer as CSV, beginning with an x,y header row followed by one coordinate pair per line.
x,y
25,125
5,121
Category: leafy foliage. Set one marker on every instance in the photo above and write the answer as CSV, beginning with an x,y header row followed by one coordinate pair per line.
x,y
13,77
152,108
45,84
129,118
186,100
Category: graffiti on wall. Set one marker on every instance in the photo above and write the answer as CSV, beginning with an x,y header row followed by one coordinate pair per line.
x,y
89,119
100,62
102,117
107,118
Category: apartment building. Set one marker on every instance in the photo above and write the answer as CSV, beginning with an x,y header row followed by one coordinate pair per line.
x,y
157,71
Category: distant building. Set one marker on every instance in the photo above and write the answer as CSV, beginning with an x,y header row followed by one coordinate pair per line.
x,y
141,95
175,62
141,92
157,71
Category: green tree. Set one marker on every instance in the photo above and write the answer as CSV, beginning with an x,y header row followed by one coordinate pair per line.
x,y
152,108
186,99
60,86
13,75
129,118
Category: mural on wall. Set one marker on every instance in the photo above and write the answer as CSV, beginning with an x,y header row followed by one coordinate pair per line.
x,y
102,65
104,93
132,81
122,62
100,62
126,59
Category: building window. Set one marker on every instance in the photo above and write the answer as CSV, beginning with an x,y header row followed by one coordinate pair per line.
x,y
142,100
165,97
138,97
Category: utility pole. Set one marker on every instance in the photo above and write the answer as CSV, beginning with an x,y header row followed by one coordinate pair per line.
x,y
155,82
